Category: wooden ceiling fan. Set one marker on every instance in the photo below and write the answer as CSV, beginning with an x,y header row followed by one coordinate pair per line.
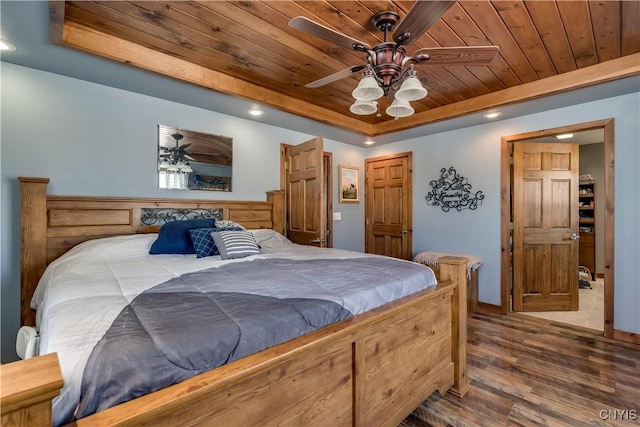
x,y
386,61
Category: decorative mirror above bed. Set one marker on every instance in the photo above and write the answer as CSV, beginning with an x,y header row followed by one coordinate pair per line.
x,y
189,160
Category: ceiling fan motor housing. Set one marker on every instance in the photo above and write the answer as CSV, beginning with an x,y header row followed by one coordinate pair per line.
x,y
386,61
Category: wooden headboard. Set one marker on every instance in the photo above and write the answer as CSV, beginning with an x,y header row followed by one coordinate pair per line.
x,y
51,225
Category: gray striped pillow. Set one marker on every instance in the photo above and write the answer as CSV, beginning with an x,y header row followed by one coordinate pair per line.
x,y
235,244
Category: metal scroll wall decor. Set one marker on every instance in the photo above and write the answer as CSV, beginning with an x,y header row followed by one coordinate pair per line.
x,y
452,191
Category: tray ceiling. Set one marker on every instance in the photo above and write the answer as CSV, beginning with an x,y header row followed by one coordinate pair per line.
x,y
247,49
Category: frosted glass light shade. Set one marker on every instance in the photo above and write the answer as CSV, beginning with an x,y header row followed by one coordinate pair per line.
x,y
400,108
363,108
367,90
411,90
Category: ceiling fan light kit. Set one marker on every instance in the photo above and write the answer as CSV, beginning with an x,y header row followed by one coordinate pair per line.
x,y
385,73
363,108
411,89
368,89
385,81
399,108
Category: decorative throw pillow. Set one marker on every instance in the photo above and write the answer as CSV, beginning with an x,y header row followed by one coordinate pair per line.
x,y
174,238
225,224
270,239
203,242
235,244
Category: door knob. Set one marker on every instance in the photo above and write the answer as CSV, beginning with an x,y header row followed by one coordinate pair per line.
x,y
317,241
574,236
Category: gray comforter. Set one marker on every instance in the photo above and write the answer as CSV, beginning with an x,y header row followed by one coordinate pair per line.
x,y
201,320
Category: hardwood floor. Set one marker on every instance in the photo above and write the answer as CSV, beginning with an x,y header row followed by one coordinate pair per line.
x,y
526,371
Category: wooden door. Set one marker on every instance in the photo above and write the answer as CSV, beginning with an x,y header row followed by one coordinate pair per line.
x,y
306,194
388,206
545,226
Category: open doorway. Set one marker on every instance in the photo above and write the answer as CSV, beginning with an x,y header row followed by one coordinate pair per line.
x,y
606,224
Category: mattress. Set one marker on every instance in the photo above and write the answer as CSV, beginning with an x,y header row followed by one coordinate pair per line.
x,y
125,323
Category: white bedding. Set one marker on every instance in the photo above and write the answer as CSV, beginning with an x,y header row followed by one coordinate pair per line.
x,y
71,320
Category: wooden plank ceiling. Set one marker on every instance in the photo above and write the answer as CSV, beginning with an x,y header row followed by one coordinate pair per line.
x,y
247,49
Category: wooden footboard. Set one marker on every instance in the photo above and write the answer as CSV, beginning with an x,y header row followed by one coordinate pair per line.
x,y
373,369
26,391
370,370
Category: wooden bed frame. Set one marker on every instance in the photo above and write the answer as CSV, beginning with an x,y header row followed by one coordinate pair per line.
x,y
372,369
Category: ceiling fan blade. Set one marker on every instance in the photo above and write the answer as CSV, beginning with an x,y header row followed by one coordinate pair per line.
x,y
311,27
336,76
420,18
461,55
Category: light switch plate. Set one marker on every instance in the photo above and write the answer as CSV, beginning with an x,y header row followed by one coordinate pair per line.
x,y
337,216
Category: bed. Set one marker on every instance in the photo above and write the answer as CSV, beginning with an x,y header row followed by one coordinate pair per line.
x,y
372,366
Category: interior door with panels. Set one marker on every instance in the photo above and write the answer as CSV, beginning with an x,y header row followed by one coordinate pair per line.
x,y
545,226
388,205
306,194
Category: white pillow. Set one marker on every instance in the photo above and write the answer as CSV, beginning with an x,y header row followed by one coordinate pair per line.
x,y
270,239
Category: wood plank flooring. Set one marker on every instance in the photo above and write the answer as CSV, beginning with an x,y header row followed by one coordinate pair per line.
x,y
526,371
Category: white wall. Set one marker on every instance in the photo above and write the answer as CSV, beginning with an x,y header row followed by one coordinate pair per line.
x,y
475,153
95,140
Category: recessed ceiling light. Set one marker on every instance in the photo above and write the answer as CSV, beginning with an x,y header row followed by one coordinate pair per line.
x,y
565,136
256,111
369,141
5,46
492,114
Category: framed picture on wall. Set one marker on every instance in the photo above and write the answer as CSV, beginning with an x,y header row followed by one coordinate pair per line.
x,y
349,184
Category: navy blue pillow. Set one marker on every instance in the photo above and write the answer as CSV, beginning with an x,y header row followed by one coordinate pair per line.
x,y
203,242
174,238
